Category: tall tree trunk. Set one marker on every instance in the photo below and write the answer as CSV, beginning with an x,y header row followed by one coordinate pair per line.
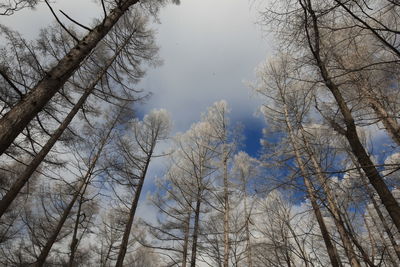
x,y
381,236
9,197
195,230
12,124
378,211
247,228
52,239
350,132
303,253
390,124
124,244
332,252
226,209
74,242
186,240
392,127
333,207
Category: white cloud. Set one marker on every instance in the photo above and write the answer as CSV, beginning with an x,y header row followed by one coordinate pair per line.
x,y
209,47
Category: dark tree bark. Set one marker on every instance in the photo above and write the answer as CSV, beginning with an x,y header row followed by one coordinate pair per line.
x,y
195,231
12,124
31,168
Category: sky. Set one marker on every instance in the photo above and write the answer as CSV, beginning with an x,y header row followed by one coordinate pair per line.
x,y
209,48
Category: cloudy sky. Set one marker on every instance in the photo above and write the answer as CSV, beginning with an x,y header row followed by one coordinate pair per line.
x,y
210,49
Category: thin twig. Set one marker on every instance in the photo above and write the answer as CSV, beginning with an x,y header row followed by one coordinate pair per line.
x,y
8,80
74,21
104,9
58,20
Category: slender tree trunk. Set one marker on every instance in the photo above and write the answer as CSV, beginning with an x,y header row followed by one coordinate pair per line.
x,y
353,237
383,240
12,124
385,226
226,210
390,124
247,229
382,219
50,242
350,132
186,240
195,231
301,248
125,239
52,239
75,240
371,240
332,252
333,207
107,255
9,197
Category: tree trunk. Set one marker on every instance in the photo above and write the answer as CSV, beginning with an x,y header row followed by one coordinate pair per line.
x,y
195,231
22,113
390,124
382,219
124,244
350,132
332,252
75,240
50,242
31,168
226,210
333,208
186,241
247,229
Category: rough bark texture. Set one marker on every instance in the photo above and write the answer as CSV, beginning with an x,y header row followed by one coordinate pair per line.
x,y
22,113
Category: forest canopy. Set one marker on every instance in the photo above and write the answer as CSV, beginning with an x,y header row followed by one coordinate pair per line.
x,y
93,173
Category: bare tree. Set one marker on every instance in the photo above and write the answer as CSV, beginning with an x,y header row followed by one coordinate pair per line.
x,y
277,80
136,152
15,120
133,46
